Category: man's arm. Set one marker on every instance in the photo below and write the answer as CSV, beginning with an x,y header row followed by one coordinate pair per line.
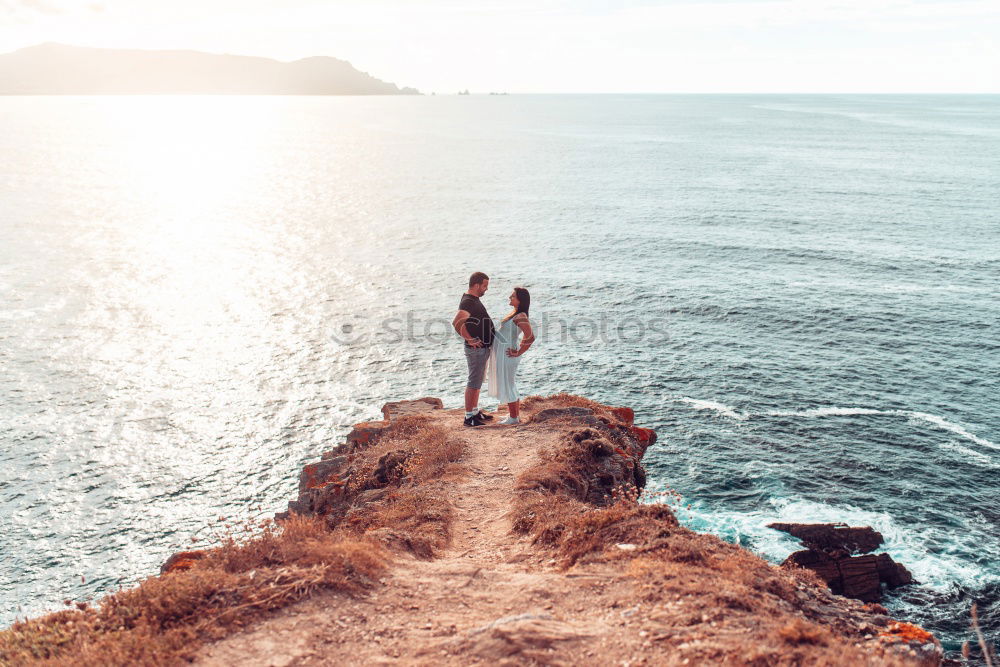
x,y
459,323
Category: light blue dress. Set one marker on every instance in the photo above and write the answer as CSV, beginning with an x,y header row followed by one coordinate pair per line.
x,y
501,369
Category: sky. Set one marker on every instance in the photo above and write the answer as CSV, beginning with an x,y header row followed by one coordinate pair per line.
x,y
564,46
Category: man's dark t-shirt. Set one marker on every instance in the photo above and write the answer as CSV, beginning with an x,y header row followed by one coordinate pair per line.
x,y
479,325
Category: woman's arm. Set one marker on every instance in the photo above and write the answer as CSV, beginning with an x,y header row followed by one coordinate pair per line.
x,y
529,337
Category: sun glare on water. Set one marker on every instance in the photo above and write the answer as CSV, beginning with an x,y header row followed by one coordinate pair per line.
x,y
191,262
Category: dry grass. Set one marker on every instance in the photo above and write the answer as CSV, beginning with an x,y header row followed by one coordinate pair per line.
x,y
426,452
556,500
413,521
394,497
398,488
713,601
535,404
732,605
164,619
744,609
563,400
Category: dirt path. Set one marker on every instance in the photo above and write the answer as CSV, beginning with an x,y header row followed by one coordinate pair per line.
x,y
491,597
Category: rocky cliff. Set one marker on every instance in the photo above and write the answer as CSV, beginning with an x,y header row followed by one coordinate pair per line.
x,y
418,541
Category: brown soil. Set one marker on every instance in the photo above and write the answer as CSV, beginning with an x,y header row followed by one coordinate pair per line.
x,y
577,582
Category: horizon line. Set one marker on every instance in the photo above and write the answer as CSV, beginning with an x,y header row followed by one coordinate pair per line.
x,y
510,94
431,93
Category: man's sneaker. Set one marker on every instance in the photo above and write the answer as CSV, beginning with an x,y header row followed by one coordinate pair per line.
x,y
483,415
474,420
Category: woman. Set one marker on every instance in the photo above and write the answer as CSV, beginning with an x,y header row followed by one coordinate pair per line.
x,y
506,353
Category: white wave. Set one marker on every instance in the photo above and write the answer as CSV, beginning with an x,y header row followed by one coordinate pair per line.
x,y
827,412
837,411
922,416
917,547
981,459
721,408
949,426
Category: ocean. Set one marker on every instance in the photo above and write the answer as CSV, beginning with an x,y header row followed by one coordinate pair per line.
x,y
799,293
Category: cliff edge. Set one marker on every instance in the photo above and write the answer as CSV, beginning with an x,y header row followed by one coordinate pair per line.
x,y
544,556
420,541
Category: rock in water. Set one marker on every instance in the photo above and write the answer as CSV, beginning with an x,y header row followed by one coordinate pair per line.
x,y
834,539
830,553
859,578
892,573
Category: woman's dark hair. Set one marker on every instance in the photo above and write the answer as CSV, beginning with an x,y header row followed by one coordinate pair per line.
x,y
523,300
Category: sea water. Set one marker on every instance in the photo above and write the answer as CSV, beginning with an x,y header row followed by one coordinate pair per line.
x,y
800,293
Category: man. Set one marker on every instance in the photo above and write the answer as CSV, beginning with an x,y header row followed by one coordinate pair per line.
x,y
473,324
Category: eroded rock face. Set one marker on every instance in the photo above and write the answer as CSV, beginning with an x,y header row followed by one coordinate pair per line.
x,y
831,554
320,482
624,416
610,460
609,451
892,573
367,433
609,442
317,475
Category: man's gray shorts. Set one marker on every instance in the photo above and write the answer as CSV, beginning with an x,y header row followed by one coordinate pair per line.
x,y
476,357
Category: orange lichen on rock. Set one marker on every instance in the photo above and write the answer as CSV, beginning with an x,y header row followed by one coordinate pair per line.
x,y
181,561
311,479
646,436
898,631
624,415
366,433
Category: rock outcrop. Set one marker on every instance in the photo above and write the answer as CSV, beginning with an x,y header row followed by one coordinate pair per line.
x,y
420,541
321,484
615,449
832,552
419,406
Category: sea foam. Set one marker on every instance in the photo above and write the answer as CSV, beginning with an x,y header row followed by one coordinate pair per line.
x,y
721,408
938,559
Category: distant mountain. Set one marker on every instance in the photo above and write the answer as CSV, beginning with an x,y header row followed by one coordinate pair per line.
x,y
58,69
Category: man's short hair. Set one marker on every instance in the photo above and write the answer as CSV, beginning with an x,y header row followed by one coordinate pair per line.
x,y
477,278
